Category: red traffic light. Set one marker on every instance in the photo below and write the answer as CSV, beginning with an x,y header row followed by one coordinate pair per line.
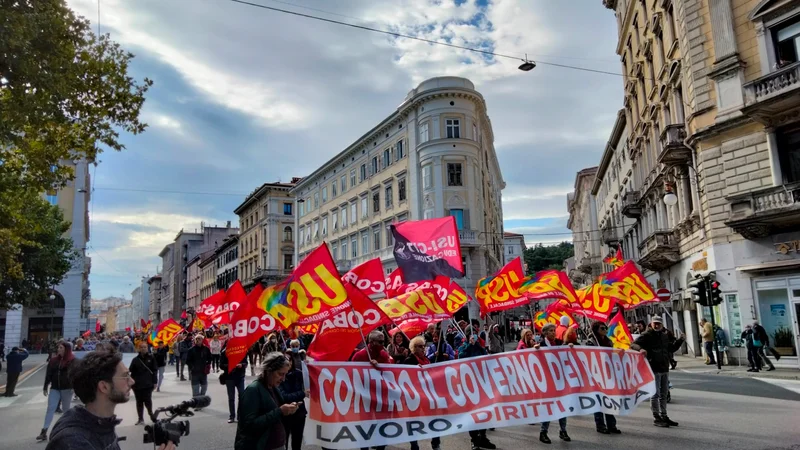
x,y
714,285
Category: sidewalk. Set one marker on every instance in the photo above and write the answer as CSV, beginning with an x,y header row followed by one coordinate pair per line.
x,y
689,364
29,366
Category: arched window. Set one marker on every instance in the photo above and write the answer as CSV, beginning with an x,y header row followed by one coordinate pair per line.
x,y
287,234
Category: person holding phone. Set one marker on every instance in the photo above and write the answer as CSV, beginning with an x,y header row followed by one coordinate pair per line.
x,y
293,390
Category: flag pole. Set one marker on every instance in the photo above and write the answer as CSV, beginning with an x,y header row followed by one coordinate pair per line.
x,y
361,330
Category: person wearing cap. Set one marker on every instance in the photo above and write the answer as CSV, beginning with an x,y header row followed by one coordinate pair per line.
x,y
658,345
565,333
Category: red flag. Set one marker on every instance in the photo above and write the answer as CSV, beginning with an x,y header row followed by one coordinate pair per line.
x,y
594,302
424,249
339,335
183,314
208,307
412,327
233,299
550,284
628,286
167,331
393,283
501,291
87,333
127,328
248,324
143,323
619,333
368,277
97,327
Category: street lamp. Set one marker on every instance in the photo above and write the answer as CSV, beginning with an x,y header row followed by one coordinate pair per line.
x,y
52,315
670,199
526,65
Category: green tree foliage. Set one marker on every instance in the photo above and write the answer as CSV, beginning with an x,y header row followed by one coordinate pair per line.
x,y
542,257
63,93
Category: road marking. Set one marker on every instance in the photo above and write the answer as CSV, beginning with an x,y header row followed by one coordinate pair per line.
x,y
791,385
7,401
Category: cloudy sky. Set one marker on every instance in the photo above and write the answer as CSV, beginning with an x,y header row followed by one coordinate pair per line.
x,y
244,95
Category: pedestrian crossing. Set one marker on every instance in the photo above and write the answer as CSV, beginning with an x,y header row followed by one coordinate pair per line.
x,y
792,385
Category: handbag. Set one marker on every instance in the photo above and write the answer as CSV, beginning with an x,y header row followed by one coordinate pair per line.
x,y
756,342
223,378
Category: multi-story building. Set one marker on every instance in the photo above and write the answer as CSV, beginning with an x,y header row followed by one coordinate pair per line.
x,y
513,247
155,292
175,258
714,112
66,312
208,276
432,157
266,242
226,263
124,317
585,234
193,280
141,301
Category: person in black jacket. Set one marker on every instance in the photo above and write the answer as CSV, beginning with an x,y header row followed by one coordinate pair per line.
x,y
658,345
197,359
234,380
161,354
57,380
293,390
604,423
144,372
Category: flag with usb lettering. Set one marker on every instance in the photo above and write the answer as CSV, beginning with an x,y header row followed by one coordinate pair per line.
x,y
424,249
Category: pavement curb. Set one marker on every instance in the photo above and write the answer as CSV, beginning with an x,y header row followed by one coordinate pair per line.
x,y
25,375
737,374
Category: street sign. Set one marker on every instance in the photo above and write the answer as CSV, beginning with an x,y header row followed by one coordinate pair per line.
x,y
663,294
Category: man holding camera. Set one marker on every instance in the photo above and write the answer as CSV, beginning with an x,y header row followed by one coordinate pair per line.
x,y
102,382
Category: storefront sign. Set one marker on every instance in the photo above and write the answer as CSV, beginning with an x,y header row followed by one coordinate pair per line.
x,y
787,247
700,264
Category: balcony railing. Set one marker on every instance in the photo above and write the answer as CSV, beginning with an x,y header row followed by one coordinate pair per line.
x,y
659,251
773,95
760,213
631,205
609,234
673,150
468,237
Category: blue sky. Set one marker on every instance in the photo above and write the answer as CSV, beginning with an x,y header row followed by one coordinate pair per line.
x,y
244,95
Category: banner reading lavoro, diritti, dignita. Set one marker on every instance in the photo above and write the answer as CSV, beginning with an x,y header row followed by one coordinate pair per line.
x,y
355,405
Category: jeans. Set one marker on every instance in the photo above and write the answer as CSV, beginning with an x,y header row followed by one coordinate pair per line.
x,y
234,385
171,359
709,347
160,376
294,429
658,404
562,424
144,399
180,366
215,362
609,424
435,443
199,384
54,397
11,384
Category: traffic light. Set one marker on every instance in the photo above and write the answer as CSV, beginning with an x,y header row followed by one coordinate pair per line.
x,y
714,294
536,306
697,288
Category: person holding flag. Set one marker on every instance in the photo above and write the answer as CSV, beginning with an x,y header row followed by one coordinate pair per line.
x,y
604,423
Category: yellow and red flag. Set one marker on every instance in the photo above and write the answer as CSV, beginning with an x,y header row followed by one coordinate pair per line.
x,y
619,333
549,284
501,291
628,286
166,332
553,314
616,260
596,301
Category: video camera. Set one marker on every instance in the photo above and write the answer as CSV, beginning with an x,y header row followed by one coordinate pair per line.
x,y
165,430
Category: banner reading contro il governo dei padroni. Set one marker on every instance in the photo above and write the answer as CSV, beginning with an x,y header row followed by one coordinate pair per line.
x,y
355,405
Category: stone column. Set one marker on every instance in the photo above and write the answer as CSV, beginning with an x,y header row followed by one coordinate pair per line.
x,y
774,160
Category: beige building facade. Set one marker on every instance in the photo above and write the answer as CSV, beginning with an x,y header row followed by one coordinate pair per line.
x,y
433,157
585,232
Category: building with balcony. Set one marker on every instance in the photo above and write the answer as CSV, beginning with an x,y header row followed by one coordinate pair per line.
x,y
67,313
724,102
266,242
226,264
154,288
586,236
513,247
432,157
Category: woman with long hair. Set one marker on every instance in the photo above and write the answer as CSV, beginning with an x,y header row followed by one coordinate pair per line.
x,y
398,349
262,408
526,340
57,381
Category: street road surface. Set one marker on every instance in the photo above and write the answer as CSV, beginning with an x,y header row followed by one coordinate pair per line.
x,y
715,412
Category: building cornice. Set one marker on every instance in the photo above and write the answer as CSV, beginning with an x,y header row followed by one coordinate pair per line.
x,y
611,147
256,195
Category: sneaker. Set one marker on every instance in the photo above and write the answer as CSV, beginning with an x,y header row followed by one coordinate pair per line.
x,y
10,395
673,364
475,447
564,436
231,420
42,436
139,422
771,368
659,422
58,410
436,448
543,438
484,442
669,422
752,370
614,431
603,430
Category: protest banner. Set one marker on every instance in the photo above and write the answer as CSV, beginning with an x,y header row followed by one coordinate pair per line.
x,y
501,290
425,249
354,405
368,277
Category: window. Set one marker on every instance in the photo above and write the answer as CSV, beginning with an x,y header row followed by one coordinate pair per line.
x,y
335,251
387,158
789,153
365,243
343,182
352,178
354,247
364,207
344,217
316,200
335,218
454,174
787,47
316,230
376,201
376,238
452,128
363,175
52,197
459,215
427,177
334,192
353,213
375,165
474,132
287,209
287,234
325,194
389,197
302,208
325,226
401,190
398,151
344,249
389,237
288,261
423,133
308,234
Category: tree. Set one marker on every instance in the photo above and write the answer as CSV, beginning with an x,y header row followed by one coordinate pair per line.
x,y
63,92
540,257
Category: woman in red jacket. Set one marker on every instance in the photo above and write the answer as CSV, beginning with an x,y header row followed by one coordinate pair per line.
x,y
526,340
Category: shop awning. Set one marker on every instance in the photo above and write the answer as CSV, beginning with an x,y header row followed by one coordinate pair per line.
x,y
774,265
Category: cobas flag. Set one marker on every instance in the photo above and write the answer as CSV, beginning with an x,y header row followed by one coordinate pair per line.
x,y
424,249
208,307
248,324
234,297
368,277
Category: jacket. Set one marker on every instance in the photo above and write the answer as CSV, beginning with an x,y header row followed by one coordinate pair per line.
x,y
659,346
127,347
57,375
495,343
468,350
197,359
160,354
760,333
224,365
258,415
14,360
708,332
292,390
184,346
747,337
144,372
447,353
78,429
